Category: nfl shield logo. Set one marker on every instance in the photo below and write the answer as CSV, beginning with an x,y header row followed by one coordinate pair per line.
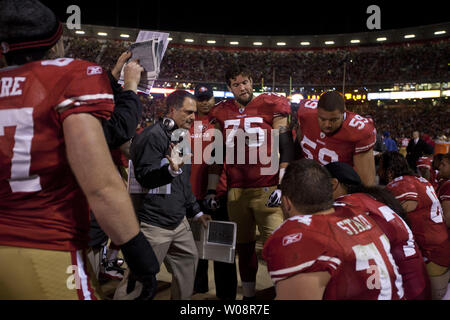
x,y
241,109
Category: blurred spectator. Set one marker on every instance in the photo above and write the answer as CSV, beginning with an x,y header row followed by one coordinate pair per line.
x,y
416,148
390,144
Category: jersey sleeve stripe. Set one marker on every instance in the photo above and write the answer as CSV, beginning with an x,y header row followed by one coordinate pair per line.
x,y
285,272
414,194
84,99
292,269
330,259
444,197
365,148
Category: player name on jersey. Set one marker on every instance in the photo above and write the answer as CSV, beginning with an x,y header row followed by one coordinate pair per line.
x,y
11,86
354,225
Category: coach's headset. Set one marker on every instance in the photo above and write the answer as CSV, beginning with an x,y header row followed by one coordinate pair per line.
x,y
170,126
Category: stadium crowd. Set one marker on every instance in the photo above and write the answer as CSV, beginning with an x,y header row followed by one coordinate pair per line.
x,y
364,66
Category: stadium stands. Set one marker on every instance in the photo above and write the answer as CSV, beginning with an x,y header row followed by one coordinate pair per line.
x,y
415,62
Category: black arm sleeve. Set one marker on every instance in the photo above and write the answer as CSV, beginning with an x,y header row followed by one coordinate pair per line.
x,y
147,153
287,147
125,118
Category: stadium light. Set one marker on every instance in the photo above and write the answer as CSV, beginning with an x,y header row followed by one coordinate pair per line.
x,y
211,41
409,36
281,43
80,32
233,43
355,41
257,43
188,40
170,39
329,42
305,43
440,32
123,35
103,34
381,39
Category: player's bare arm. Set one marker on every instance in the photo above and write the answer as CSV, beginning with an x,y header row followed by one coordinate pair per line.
x,y
446,210
286,144
303,286
425,172
409,205
103,188
364,164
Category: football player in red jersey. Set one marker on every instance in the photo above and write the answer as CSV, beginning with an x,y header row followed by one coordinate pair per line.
x,y
328,133
387,212
424,216
326,252
444,187
425,164
247,124
55,164
225,276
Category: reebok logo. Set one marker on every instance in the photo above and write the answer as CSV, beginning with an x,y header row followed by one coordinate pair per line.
x,y
92,70
287,240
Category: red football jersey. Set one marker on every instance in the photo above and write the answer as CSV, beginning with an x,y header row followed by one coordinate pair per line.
x,y
347,244
248,139
201,137
426,222
41,204
404,248
356,135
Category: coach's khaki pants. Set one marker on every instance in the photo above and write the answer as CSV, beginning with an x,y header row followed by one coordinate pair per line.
x,y
177,249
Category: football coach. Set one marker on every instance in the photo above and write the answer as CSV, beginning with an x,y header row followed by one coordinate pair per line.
x,y
160,167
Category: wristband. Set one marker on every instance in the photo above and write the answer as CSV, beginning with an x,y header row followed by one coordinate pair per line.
x,y
175,173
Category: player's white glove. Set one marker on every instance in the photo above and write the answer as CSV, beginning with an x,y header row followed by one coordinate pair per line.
x,y
211,202
274,199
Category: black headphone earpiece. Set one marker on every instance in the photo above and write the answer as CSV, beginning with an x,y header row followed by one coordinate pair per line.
x,y
169,124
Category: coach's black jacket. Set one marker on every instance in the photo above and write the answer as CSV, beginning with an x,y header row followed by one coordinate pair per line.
x,y
148,154
125,118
